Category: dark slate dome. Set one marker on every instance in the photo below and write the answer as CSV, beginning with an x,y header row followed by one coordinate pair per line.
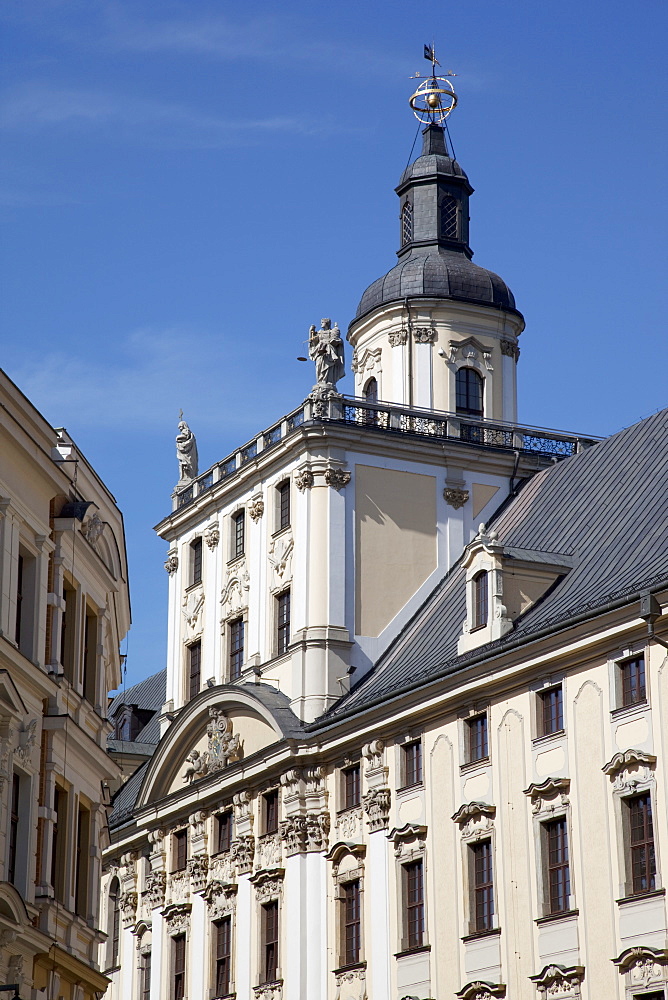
x,y
438,274
435,257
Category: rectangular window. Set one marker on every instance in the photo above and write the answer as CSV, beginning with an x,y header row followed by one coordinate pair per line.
x,y
180,850
19,602
196,561
477,745
236,648
483,885
59,843
223,944
269,970
412,763
223,832
194,668
555,836
632,677
414,904
90,656
67,653
271,811
14,829
641,844
81,862
145,975
238,535
352,923
283,622
480,599
351,787
551,711
179,967
283,505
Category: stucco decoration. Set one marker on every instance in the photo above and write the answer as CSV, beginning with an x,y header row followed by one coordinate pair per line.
x,y
510,350
268,851
234,595
293,834
193,612
643,966
455,497
409,841
376,801
224,747
348,824
304,479
93,528
243,849
398,337
629,770
221,899
550,796
424,334
186,452
337,478
268,885
480,990
256,508
128,904
212,534
556,982
27,739
351,984
156,883
178,887
172,562
198,868
367,362
475,819
268,991
280,558
177,918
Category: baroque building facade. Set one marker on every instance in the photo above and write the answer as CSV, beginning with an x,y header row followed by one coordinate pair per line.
x,y
64,609
412,737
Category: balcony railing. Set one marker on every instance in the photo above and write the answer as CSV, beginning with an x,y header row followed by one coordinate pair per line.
x,y
386,418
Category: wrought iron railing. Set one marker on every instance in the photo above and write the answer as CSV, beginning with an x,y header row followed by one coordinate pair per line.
x,y
390,419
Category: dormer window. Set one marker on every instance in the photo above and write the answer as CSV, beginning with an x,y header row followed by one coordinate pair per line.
x,y
468,396
406,223
449,219
480,599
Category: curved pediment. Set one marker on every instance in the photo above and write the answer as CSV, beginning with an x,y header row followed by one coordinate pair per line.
x,y
219,727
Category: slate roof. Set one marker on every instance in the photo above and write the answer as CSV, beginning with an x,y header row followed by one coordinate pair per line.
x,y
149,696
125,798
607,508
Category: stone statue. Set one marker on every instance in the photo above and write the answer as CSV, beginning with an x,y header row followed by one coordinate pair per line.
x,y
325,348
186,451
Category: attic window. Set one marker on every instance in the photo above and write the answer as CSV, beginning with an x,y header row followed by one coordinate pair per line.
x,y
449,219
406,223
480,599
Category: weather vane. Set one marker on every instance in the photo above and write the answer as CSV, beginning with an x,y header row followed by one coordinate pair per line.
x,y
435,98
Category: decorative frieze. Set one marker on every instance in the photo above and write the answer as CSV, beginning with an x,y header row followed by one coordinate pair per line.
x,y
317,831
234,595
550,796
280,558
487,360
256,508
172,562
376,804
367,362
455,497
212,535
374,755
630,770
222,868
475,819
424,334
178,887
556,982
398,337
177,918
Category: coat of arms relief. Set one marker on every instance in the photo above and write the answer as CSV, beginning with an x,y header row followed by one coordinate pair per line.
x,y
223,748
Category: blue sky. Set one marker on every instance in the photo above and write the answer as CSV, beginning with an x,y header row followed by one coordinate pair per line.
x,y
187,186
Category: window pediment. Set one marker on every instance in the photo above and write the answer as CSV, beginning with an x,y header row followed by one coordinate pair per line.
x,y
630,769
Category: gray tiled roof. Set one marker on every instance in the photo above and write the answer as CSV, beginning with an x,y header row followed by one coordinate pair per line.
x,y
149,696
607,508
125,798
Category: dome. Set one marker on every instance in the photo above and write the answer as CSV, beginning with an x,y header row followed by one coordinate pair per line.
x,y
437,273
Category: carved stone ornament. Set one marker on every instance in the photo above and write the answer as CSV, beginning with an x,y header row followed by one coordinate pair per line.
x,y
27,739
268,851
221,899
172,562
398,337
644,966
424,334
408,840
455,497
293,834
128,904
629,769
376,803
373,753
243,851
256,509
280,557
178,887
223,748
337,478
268,885
304,480
351,983
367,362
193,606
325,348
269,991
549,796
156,883
487,360
509,349
475,819
234,595
198,868
480,990
317,831
348,824
212,535
93,528
177,918
556,982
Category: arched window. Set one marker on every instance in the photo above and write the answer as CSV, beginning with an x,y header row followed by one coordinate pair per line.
x,y
449,219
406,223
371,391
469,392
114,922
480,599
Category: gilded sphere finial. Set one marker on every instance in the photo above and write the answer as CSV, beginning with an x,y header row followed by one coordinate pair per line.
x,y
435,97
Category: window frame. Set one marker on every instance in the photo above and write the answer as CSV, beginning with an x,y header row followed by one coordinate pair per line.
x,y
14,827
179,852
178,986
471,741
145,961
348,957
238,535
480,603
196,554
482,905
464,392
194,675
630,848
271,806
268,943
236,650
411,770
225,920
543,713
351,786
283,623
546,827
625,697
114,923
406,220
410,941
224,819
283,517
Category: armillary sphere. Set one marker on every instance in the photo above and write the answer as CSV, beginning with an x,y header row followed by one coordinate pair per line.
x,y
433,100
